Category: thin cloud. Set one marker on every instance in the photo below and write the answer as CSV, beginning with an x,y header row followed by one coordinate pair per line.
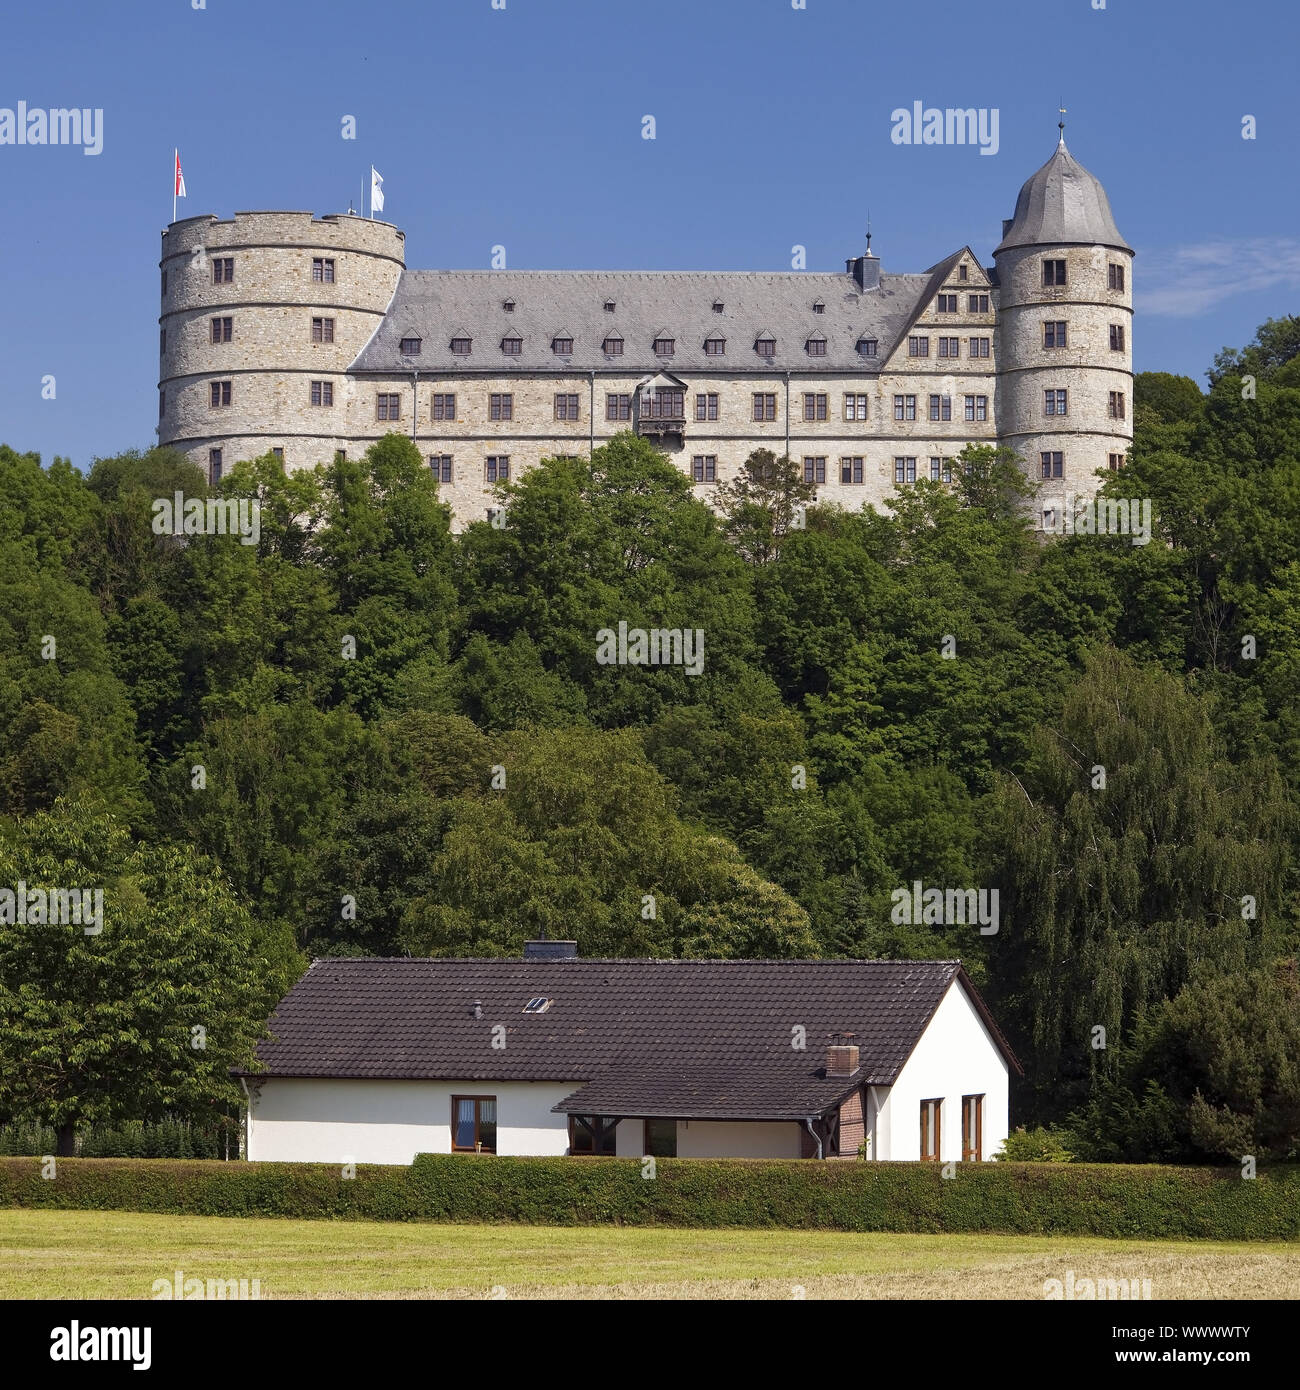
x,y
1189,280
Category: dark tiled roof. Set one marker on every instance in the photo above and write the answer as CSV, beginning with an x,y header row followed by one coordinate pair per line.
x,y
1062,204
718,1031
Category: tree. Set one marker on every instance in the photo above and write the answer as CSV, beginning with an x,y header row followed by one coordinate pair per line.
x,y
1174,399
763,504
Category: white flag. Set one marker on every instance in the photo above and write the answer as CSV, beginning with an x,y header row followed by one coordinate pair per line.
x,y
376,191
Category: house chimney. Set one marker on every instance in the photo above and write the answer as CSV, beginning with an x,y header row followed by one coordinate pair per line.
x,y
865,270
841,1055
550,950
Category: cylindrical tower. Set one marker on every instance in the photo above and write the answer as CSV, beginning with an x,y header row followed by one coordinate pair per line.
x,y
261,317
1065,331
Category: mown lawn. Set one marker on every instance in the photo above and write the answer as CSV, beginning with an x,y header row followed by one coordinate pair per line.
x,y
73,1254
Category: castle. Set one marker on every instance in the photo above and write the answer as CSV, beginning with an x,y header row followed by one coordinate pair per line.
x,y
282,332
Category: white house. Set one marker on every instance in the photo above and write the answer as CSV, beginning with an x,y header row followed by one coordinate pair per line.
x,y
376,1060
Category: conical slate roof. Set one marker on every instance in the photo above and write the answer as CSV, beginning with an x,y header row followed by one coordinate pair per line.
x,y
1062,204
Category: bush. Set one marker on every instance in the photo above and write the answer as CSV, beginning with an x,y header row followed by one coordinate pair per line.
x,y
1008,1198
165,1139
1034,1146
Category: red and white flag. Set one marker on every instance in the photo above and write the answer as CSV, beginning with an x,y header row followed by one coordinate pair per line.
x,y
179,190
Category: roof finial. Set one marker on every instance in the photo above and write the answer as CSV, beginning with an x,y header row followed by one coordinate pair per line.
x,y
868,231
1060,125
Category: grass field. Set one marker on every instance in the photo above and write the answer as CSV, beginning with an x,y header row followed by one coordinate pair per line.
x,y
67,1254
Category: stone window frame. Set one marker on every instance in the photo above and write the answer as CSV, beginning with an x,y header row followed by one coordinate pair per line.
x,y
855,467
440,465
940,469
1056,400
814,468
1055,272
918,345
949,347
855,406
815,406
1117,336
946,304
442,405
214,467
223,270
1059,330
904,468
618,405
981,347
1115,278
321,393
322,270
566,405
222,329
904,407
940,407
1116,405
706,405
1052,463
764,406
496,468
322,329
220,395
501,405
704,468
388,405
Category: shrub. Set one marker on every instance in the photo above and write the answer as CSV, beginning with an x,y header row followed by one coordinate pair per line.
x,y
1034,1146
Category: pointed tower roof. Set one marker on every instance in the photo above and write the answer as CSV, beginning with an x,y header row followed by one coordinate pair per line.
x,y
1062,204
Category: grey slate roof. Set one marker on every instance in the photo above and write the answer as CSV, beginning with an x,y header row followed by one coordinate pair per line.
x,y
1062,204
687,1038
435,304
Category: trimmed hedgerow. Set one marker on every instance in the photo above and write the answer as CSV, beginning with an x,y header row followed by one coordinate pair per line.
x,y
1006,1198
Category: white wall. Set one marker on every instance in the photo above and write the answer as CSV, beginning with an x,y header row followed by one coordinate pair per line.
x,y
955,1057
330,1121
737,1139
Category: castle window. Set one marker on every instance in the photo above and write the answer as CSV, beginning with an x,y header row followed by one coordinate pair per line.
x,y
1054,333
410,347
612,347
977,304
609,306
904,407
815,347
940,407
223,270
963,272
219,393
855,407
512,345
617,407
562,347
949,347
461,346
214,466
322,393
814,405
851,470
1115,276
444,405
164,282
715,347
1115,461
765,346
1053,464
501,405
162,404
663,403
706,405
508,305
322,270
819,306
1117,337
717,306
866,347
665,347
977,407
979,347
222,329
162,341
764,405
440,467
947,304
566,405
277,453
1053,272
918,346
1055,402
814,470
704,468
904,470
1117,405
940,470
497,468
388,406
322,330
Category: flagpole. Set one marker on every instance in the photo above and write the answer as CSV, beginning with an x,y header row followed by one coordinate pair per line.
x,y
176,159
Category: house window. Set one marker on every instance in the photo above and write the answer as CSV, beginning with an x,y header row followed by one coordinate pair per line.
x,y
612,347
1054,333
706,405
814,405
461,346
1117,405
219,394
940,470
979,347
815,347
214,466
617,407
322,330
663,404
322,270
592,1134
474,1124
977,407
497,468
904,407
1055,403
918,346
866,347
501,405
814,470
930,1110
660,1140
665,347
940,407
322,393
1053,272
1115,462
850,470
440,467
566,405
855,407
1115,277
388,406
949,347
704,468
1053,464
444,406
410,347
223,270
715,347
511,345
963,272
562,347
947,304
277,452
1117,337
904,470
222,330
972,1129
977,303
764,405
765,347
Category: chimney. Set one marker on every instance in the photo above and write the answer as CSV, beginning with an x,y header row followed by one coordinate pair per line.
x,y
841,1055
1006,224
550,950
865,270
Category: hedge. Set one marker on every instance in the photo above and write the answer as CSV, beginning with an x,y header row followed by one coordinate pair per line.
x,y
1007,1198
162,1139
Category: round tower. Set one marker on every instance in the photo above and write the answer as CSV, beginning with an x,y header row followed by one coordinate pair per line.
x,y
261,316
1065,327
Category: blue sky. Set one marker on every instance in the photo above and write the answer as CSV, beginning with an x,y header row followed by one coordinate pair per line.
x,y
522,127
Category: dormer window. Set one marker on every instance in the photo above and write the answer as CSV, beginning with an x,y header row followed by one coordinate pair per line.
x,y
866,347
816,347
717,306
509,306
665,347
562,347
411,347
765,345
715,347
612,346
819,306
512,345
609,306
461,346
